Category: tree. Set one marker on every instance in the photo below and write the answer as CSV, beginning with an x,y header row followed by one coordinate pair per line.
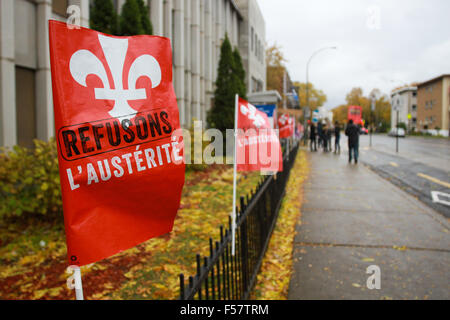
x,y
131,19
239,73
104,17
145,20
381,116
221,115
340,113
316,97
275,68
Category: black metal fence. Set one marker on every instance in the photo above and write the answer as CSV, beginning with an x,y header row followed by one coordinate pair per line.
x,y
222,276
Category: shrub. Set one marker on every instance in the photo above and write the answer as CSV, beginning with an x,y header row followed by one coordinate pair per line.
x,y
29,181
230,81
192,166
104,17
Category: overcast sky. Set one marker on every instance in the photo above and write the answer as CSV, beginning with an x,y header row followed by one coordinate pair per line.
x,y
409,41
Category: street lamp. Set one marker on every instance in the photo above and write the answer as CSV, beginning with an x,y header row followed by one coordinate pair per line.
x,y
307,79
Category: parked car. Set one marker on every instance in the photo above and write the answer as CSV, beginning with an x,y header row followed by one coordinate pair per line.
x,y
400,132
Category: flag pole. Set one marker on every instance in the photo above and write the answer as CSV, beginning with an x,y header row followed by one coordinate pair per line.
x,y
78,284
74,281
233,217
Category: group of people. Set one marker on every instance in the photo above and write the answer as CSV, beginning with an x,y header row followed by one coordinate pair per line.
x,y
321,137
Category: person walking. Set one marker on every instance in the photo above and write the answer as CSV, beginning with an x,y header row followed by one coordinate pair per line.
x,y
324,138
352,132
328,136
312,137
320,132
337,138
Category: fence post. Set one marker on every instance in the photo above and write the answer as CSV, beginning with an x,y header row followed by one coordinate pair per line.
x,y
244,253
182,294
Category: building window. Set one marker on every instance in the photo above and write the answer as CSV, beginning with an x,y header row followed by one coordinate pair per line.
x,y
60,7
25,106
414,93
414,107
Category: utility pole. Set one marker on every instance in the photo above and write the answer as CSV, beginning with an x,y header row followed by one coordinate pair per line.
x,y
396,135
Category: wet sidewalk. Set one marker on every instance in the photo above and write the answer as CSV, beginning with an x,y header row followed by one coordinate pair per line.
x,y
352,219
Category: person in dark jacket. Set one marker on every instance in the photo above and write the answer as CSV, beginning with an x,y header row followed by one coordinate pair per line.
x,y
320,132
328,136
312,137
324,138
337,137
352,132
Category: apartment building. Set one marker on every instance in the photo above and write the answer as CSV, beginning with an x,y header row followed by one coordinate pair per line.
x,y
195,27
433,104
405,99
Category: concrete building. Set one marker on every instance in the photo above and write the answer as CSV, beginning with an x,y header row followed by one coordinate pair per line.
x,y
406,100
433,105
252,45
196,28
26,108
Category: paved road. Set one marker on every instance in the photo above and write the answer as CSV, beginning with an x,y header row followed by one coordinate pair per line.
x,y
421,167
353,218
429,151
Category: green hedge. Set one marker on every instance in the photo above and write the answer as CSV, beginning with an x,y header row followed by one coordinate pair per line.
x,y
29,181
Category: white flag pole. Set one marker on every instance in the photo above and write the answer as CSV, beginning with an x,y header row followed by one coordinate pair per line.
x,y
233,217
74,282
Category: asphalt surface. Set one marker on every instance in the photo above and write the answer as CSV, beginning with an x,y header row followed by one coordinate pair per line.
x,y
353,218
421,167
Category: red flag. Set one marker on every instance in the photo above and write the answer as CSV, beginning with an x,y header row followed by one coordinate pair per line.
x,y
285,124
257,146
121,170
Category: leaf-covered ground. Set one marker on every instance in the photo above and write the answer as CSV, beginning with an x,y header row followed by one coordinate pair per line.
x,y
33,254
273,279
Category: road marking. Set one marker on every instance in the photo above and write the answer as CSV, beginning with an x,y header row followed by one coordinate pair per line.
x,y
442,183
393,164
435,196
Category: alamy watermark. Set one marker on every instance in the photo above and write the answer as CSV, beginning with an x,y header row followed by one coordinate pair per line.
x,y
373,21
373,281
74,19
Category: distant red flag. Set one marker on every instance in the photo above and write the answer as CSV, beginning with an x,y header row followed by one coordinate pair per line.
x,y
115,112
286,126
257,146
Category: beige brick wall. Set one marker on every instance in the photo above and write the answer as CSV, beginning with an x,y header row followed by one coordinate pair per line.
x,y
429,104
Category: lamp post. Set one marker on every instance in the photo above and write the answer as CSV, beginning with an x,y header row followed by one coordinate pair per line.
x,y
307,78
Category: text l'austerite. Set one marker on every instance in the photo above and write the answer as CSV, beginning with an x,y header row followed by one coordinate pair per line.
x,y
126,164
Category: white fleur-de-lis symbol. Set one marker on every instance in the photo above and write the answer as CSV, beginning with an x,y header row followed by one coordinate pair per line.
x,y
250,112
84,63
285,119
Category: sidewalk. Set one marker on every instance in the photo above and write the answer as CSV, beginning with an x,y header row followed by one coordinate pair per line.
x,y
351,219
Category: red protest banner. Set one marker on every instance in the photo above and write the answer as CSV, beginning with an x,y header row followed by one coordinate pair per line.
x,y
285,124
115,108
257,145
